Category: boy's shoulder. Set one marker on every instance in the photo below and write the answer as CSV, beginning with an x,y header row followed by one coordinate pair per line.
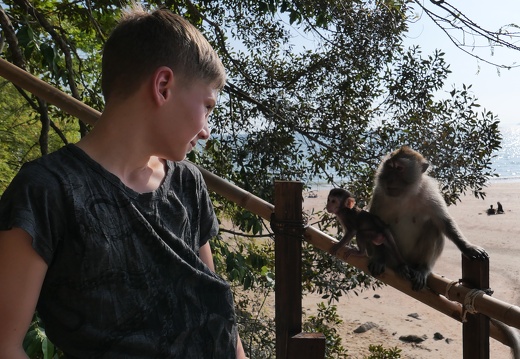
x,y
186,168
70,164
57,163
47,160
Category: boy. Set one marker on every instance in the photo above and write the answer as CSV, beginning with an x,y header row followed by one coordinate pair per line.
x,y
108,238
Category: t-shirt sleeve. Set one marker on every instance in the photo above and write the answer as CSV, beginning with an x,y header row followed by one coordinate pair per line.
x,y
33,203
208,220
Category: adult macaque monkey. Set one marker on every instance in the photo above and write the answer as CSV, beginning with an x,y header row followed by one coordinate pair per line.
x,y
369,229
410,202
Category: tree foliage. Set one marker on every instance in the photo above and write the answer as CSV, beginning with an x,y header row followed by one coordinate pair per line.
x,y
318,91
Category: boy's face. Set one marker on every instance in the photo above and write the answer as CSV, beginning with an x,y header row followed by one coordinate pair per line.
x,y
186,120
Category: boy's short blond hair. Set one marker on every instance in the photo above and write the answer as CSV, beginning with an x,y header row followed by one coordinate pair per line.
x,y
143,41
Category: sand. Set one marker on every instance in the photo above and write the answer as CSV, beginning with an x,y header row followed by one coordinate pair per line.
x,y
389,308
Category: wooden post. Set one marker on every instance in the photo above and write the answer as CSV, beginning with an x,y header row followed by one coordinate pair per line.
x,y
475,331
288,263
306,346
289,230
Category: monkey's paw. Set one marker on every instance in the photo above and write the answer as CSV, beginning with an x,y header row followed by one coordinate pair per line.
x,y
418,279
404,271
476,252
376,268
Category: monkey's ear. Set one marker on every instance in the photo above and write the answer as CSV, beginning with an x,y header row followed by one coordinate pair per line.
x,y
350,202
425,166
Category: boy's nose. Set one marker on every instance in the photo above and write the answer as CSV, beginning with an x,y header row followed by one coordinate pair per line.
x,y
204,133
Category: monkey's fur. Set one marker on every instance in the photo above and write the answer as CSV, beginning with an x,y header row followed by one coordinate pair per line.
x,y
410,202
369,230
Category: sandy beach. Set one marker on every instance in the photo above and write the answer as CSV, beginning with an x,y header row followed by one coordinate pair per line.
x,y
390,309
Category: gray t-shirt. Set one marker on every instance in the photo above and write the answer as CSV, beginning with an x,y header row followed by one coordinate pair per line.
x,y
124,278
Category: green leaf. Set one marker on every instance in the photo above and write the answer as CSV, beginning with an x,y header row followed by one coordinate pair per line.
x,y
47,348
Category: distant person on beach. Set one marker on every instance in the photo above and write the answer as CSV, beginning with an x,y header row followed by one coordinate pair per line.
x,y
491,210
500,210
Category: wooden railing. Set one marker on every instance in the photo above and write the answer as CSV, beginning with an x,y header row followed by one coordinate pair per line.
x,y
447,296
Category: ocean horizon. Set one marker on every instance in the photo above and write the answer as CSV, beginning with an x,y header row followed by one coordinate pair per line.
x,y
506,162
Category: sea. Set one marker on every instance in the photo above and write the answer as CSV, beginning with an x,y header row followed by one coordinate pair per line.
x,y
506,162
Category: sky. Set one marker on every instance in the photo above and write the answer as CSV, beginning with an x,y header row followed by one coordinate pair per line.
x,y
497,90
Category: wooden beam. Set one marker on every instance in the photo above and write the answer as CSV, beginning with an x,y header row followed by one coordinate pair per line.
x,y
52,95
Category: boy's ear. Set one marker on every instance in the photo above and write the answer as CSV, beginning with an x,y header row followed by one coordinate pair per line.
x,y
162,84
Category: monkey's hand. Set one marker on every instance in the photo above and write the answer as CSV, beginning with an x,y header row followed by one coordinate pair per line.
x,y
404,271
475,252
418,279
376,267
349,250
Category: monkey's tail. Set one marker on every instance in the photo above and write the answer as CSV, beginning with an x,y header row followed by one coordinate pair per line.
x,y
512,334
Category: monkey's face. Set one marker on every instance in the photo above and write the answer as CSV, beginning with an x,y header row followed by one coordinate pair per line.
x,y
339,198
401,174
392,177
333,204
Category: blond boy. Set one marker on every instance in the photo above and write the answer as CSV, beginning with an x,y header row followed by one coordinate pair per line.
x,y
108,238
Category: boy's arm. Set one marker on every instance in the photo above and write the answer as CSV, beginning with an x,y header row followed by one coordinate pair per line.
x,y
207,257
22,272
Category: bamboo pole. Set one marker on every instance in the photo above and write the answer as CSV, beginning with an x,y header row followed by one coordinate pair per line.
x,y
67,103
485,304
237,195
442,294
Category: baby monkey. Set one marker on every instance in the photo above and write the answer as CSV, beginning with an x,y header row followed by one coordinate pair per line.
x,y
368,228
341,203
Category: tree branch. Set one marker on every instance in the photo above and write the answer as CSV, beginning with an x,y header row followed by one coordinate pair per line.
x,y
63,45
241,234
458,21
